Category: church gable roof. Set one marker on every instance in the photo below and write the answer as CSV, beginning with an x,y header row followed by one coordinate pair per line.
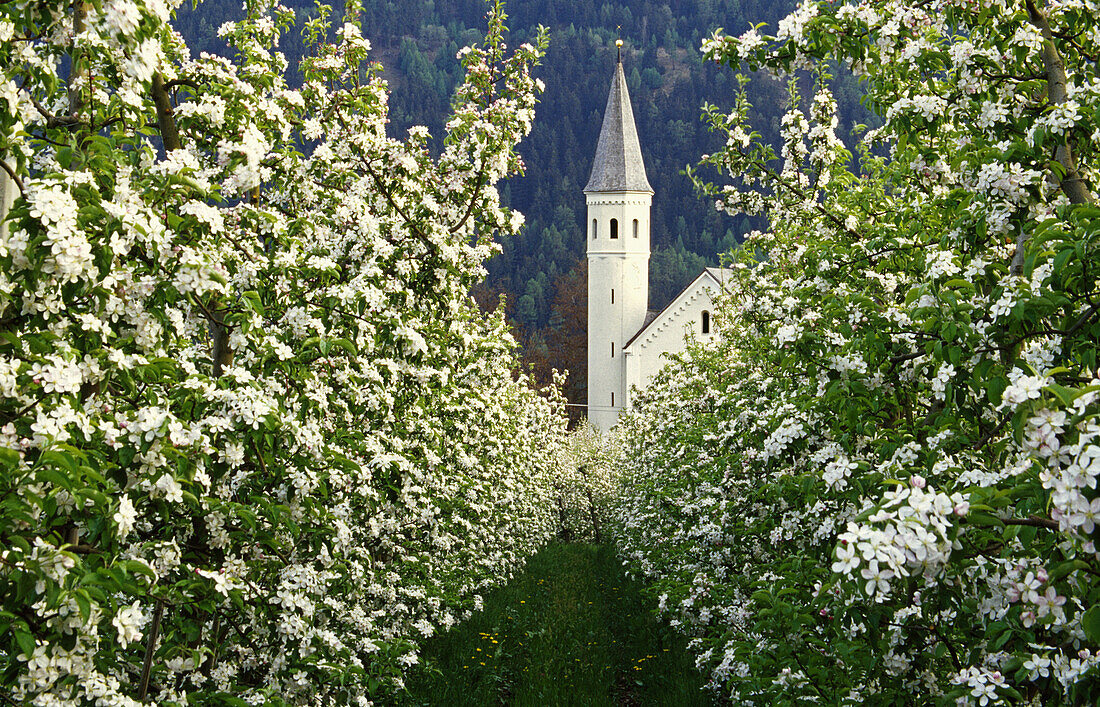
x,y
618,165
719,277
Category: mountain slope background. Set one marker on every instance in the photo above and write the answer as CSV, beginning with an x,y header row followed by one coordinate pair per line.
x,y
542,272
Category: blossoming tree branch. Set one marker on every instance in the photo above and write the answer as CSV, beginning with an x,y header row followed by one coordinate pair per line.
x,y
881,486
255,439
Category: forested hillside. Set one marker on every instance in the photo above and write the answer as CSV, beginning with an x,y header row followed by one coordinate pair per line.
x,y
418,40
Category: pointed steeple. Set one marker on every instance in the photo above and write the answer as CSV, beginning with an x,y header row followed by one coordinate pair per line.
x,y
618,165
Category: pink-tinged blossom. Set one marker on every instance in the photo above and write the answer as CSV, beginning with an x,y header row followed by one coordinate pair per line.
x,y
128,622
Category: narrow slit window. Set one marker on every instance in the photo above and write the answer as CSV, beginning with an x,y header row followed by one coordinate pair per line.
x,y
594,228
612,349
706,322
612,296
635,228
612,398
614,228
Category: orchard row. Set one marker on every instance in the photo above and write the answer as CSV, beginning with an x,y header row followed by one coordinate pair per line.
x,y
256,441
881,486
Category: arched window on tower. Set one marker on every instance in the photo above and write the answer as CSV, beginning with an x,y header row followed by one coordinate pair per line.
x,y
635,228
594,228
706,322
614,228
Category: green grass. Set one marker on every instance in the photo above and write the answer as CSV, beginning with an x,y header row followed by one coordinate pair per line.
x,y
571,630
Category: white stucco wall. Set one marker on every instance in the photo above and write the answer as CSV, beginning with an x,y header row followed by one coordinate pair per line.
x,y
670,332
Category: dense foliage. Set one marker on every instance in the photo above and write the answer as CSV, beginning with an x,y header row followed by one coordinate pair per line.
x,y
586,482
256,440
881,486
669,81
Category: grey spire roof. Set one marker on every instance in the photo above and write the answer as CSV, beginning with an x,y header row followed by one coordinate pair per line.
x,y
618,165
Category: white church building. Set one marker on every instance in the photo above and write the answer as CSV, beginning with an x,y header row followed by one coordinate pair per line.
x,y
627,342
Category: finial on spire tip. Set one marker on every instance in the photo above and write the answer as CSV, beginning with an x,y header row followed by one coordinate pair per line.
x,y
619,47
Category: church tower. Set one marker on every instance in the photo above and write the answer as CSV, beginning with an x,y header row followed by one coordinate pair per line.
x,y
618,197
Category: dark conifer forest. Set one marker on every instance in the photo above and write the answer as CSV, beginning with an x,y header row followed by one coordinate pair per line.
x,y
541,272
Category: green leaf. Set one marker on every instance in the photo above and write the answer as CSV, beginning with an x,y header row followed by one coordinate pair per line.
x,y
1090,622
137,567
1061,258
866,514
1063,569
252,298
346,345
25,639
1066,395
20,542
83,603
9,458
61,459
995,389
983,519
959,283
55,477
92,475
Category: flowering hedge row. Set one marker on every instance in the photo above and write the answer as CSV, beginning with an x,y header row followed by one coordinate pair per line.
x,y
881,486
255,439
586,483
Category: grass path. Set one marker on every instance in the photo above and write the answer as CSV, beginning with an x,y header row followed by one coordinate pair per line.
x,y
571,630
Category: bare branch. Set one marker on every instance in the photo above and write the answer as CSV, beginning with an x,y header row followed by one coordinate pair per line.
x,y
166,121
1032,521
1073,183
14,178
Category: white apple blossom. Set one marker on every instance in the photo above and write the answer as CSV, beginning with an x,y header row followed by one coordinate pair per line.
x,y
128,622
125,516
